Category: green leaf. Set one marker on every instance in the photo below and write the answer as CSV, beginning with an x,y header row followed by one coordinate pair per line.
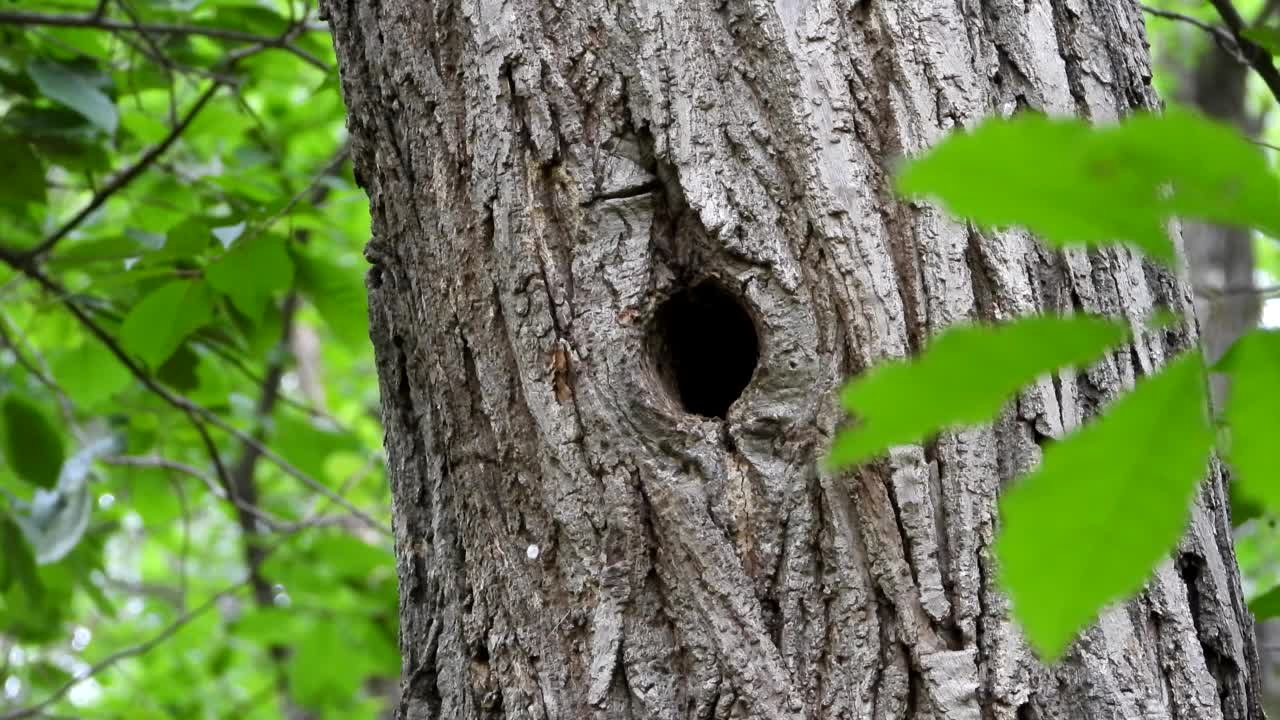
x,y
251,272
24,175
1253,364
90,375
19,565
1266,605
307,443
964,377
338,294
1105,506
313,674
187,239
1243,509
352,558
32,444
1267,38
75,89
155,327
1074,184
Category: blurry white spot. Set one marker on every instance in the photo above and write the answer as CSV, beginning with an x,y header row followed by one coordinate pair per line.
x,y
132,522
229,234
282,599
133,607
533,552
80,638
87,692
17,656
12,687
1271,313
106,501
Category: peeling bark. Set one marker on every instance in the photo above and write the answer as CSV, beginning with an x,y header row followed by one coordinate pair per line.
x,y
570,542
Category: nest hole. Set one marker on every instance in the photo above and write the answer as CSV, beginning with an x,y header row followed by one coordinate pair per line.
x,y
705,348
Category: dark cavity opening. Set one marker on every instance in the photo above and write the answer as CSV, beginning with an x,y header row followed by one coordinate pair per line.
x,y
705,348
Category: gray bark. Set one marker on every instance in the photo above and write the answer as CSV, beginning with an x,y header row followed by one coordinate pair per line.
x,y
570,542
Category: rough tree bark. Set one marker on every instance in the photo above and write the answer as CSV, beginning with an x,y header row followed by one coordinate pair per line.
x,y
571,541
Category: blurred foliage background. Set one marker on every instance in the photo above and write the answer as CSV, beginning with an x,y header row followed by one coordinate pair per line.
x,y
174,180
194,513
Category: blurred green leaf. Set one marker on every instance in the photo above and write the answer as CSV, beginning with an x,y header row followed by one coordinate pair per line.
x,y
1106,505
17,564
251,272
1253,416
314,676
307,443
337,293
964,376
156,326
23,180
1266,606
32,444
90,375
76,89
1266,37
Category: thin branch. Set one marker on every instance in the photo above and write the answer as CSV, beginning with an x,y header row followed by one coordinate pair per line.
x,y
43,377
124,654
125,177
1225,39
24,19
194,411
272,522
1258,57
1213,293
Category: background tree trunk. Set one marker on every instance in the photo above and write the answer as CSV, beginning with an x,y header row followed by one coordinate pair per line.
x,y
1221,261
571,542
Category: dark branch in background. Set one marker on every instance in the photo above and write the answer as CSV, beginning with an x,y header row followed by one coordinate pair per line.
x,y
1257,56
244,485
244,488
1225,39
1233,42
196,413
23,19
22,264
30,365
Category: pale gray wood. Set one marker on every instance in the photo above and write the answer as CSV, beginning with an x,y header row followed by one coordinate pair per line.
x,y
569,543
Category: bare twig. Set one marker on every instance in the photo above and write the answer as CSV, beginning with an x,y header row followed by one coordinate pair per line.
x,y
124,654
1257,56
32,366
1225,39
196,413
272,522
124,177
104,23
1210,293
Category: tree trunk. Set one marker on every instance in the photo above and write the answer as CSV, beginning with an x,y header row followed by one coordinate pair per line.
x,y
575,204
